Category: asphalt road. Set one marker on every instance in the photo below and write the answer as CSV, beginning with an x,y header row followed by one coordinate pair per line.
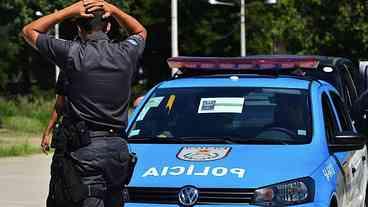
x,y
24,181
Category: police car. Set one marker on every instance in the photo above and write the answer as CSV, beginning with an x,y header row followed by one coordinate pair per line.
x,y
246,132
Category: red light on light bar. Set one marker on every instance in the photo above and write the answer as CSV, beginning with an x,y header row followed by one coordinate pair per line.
x,y
246,66
207,65
248,63
227,66
288,65
307,64
267,66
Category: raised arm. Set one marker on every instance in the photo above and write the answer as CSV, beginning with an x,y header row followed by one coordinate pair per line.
x,y
44,24
124,19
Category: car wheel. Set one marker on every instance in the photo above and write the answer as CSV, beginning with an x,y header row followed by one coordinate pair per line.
x,y
366,197
333,203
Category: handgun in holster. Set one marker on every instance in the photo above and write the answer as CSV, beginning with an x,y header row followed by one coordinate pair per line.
x,y
79,135
72,135
133,159
58,141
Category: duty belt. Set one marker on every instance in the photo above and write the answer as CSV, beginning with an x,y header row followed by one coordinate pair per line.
x,y
96,134
96,190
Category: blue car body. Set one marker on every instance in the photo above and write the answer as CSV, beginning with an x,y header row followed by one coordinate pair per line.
x,y
264,165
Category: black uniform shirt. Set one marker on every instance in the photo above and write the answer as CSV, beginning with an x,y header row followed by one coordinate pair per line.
x,y
99,74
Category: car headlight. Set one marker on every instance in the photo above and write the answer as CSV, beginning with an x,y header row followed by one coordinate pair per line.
x,y
288,193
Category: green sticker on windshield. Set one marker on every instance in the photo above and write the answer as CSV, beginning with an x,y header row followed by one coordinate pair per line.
x,y
134,132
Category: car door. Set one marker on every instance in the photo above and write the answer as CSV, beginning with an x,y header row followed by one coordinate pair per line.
x,y
357,161
344,180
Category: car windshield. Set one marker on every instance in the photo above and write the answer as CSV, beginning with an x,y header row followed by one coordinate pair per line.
x,y
230,115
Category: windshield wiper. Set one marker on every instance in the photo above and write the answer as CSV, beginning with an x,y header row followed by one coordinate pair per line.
x,y
226,140
140,138
265,141
198,139
235,140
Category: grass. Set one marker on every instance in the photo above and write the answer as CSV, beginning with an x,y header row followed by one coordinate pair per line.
x,y
23,124
18,150
14,143
35,109
22,121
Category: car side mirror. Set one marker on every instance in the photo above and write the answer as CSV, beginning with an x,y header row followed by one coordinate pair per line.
x,y
347,141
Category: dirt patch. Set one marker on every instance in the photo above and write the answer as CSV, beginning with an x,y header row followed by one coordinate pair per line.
x,y
10,137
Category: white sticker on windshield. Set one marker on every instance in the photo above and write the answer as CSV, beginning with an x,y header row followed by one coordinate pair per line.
x,y
153,102
134,132
221,105
302,132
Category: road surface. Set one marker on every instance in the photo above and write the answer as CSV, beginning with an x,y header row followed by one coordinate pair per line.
x,y
24,181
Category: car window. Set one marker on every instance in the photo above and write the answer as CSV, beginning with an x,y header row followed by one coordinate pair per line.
x,y
249,113
330,121
342,113
341,79
347,96
330,77
349,89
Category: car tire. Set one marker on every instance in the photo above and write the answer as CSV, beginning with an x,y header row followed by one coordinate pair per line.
x,y
334,203
366,197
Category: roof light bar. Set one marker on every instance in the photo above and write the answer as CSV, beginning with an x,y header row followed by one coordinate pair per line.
x,y
252,63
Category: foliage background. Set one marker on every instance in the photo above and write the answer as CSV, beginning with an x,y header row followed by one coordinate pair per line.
x,y
324,27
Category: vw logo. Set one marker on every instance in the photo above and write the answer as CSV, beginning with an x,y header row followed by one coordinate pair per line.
x,y
188,196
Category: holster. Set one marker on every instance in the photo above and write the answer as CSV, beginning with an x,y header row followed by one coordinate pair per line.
x,y
133,159
58,142
76,134
69,137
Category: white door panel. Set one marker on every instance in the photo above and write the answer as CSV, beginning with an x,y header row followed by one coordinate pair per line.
x,y
358,169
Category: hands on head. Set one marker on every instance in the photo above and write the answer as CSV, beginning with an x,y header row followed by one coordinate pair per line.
x,y
82,9
125,20
86,8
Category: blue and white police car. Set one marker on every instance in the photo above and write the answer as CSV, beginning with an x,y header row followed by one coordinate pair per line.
x,y
245,132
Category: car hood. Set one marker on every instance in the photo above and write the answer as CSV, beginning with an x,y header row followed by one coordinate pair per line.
x,y
221,166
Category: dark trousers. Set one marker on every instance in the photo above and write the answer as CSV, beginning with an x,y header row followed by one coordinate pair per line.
x,y
102,163
112,199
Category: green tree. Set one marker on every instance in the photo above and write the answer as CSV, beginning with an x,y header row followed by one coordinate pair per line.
x,y
323,27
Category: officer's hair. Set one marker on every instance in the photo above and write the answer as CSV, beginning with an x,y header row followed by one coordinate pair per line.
x,y
96,23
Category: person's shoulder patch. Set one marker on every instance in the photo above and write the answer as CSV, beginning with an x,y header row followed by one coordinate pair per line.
x,y
133,42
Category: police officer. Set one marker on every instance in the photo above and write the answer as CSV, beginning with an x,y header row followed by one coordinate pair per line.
x,y
56,113
99,73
